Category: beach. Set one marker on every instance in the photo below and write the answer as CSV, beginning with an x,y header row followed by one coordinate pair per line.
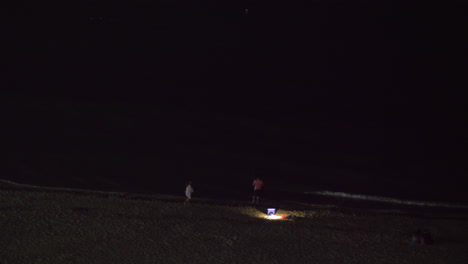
x,y
43,226
351,113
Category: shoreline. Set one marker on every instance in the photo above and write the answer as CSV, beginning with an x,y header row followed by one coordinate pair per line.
x,y
300,201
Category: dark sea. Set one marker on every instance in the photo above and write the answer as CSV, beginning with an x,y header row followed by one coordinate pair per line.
x,y
338,99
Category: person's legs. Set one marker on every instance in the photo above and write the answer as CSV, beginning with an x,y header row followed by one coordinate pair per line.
x,y
258,193
187,201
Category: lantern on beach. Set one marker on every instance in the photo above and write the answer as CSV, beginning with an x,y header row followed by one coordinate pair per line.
x,y
271,211
271,214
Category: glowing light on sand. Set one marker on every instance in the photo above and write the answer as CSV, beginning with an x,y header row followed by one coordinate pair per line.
x,y
271,214
274,217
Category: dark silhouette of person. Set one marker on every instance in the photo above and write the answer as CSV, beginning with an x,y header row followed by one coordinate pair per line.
x,y
258,186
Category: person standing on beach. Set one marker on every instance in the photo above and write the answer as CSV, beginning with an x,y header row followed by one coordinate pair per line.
x,y
188,192
258,185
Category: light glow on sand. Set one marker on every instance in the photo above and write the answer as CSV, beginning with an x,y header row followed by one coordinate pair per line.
x,y
274,217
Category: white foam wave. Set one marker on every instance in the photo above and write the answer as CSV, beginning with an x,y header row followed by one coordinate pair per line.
x,y
387,199
56,188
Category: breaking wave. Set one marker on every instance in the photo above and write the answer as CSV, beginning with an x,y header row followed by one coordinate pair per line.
x,y
387,199
35,187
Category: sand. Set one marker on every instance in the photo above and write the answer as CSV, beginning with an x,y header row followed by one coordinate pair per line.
x,y
66,227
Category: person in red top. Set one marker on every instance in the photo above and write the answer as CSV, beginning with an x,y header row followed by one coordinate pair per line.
x,y
258,185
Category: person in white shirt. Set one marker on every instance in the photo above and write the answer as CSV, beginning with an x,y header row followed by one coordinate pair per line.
x,y
188,192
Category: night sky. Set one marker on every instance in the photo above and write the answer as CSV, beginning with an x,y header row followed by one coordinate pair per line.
x,y
143,95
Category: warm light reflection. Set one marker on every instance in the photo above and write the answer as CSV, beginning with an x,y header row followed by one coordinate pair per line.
x,y
274,217
279,215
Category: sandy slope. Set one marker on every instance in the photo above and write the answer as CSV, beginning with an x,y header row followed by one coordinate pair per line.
x,y
64,227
